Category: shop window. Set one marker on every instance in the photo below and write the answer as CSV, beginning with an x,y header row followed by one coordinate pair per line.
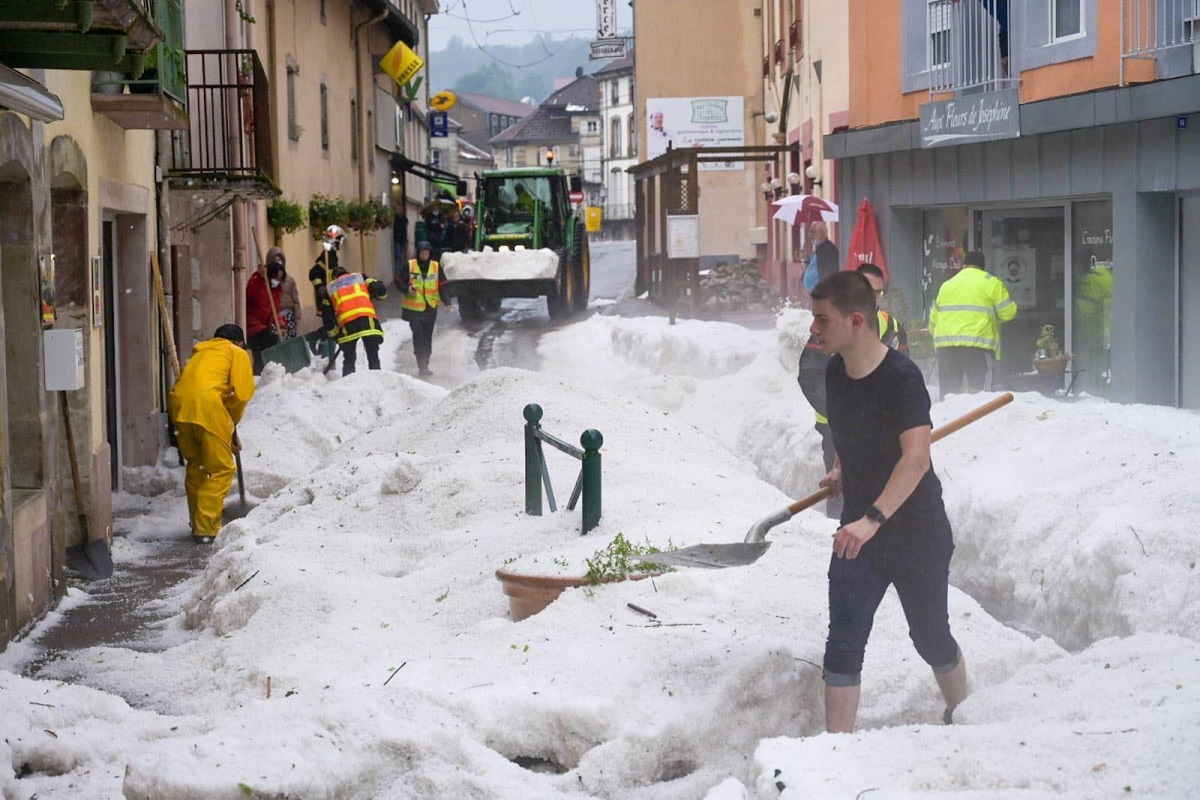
x,y
1091,295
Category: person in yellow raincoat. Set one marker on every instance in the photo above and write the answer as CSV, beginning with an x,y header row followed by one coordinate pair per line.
x,y
205,404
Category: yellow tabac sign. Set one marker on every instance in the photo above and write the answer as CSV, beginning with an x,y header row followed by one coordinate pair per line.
x,y
594,217
401,63
443,101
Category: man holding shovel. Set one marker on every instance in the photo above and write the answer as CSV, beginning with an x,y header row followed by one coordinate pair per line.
x,y
894,529
205,404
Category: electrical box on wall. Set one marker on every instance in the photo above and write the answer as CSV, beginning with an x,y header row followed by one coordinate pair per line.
x,y
63,354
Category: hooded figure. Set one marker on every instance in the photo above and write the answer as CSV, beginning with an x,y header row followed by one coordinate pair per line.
x,y
205,405
289,303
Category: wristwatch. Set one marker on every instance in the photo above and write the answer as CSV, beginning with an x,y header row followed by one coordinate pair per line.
x,y
874,513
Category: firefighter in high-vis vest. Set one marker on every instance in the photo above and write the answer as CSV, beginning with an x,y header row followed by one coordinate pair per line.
x,y
350,297
324,339
422,287
814,359
965,323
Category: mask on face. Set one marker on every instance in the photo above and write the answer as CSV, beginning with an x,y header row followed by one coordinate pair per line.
x,y
275,283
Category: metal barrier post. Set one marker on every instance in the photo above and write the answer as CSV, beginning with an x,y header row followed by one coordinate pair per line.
x,y
533,464
591,441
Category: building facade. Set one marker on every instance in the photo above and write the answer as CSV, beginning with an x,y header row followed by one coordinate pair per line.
x,y
136,167
561,130
77,227
806,90
1059,138
307,115
680,62
618,148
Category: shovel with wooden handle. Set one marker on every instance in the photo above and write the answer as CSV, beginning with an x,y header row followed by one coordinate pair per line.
x,y
719,556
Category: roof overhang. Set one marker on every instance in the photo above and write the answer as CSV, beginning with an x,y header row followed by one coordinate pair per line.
x,y
26,96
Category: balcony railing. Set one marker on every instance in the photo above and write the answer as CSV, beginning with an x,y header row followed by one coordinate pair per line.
x,y
967,46
618,211
229,138
1150,27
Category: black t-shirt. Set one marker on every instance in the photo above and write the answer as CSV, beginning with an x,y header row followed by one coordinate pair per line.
x,y
867,417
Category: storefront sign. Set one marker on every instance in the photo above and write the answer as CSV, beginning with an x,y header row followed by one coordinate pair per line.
x,y
976,118
439,124
695,122
608,48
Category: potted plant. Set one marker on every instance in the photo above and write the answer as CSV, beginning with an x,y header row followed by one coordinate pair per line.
x,y
368,216
530,592
1048,357
285,216
324,211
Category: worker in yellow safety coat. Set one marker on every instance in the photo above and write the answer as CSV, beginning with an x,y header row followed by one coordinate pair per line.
x,y
965,323
205,404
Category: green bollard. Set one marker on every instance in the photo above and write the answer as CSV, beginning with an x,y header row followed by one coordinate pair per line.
x,y
591,441
533,466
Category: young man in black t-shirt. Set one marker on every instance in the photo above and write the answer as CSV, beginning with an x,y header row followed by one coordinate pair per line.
x,y
894,526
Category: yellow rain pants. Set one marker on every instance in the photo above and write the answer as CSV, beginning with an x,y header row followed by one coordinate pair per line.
x,y
210,471
205,404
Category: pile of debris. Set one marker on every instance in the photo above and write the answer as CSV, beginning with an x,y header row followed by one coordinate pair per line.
x,y
736,287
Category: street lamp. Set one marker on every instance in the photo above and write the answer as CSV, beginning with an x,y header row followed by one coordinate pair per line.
x,y
765,187
793,179
777,187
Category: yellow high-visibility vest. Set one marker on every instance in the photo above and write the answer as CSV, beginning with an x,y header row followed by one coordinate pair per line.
x,y
422,288
969,309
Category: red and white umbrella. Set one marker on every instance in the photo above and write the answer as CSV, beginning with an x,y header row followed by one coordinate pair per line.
x,y
802,209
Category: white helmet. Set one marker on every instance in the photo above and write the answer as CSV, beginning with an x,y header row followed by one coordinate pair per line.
x,y
334,237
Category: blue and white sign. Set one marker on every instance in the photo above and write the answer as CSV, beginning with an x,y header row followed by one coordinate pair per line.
x,y
439,124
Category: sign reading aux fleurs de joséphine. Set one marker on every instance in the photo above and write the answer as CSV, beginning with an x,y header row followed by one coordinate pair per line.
x,y
973,118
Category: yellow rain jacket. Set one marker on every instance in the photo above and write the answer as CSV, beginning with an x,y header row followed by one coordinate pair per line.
x,y
969,309
212,391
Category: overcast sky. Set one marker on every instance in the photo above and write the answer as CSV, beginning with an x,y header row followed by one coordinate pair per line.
x,y
496,22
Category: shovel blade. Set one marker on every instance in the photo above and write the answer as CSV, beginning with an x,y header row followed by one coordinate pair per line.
x,y
92,560
235,511
710,556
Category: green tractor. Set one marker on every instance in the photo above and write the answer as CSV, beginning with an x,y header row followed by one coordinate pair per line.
x,y
530,241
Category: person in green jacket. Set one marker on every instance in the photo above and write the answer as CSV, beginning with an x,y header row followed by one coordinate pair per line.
x,y
965,323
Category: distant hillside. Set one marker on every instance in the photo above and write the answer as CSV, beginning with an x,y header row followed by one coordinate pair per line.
x,y
462,65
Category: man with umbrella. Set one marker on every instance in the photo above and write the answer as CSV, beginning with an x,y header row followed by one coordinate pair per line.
x,y
808,209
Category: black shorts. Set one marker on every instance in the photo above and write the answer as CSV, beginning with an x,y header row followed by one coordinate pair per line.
x,y
916,560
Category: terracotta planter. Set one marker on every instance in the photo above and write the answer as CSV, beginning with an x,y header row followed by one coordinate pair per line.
x,y
1051,366
529,594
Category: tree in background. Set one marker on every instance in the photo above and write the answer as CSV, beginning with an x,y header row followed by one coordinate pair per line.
x,y
533,85
490,79
536,64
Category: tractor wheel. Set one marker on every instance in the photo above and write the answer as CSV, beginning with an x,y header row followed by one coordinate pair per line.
x,y
468,309
561,300
583,267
